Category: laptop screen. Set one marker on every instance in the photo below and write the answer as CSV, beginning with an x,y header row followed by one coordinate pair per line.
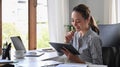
x,y
17,42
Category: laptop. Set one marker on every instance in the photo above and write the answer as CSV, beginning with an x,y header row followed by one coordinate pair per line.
x,y
18,44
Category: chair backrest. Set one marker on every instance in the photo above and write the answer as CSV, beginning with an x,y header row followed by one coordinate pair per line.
x,y
118,60
109,56
110,34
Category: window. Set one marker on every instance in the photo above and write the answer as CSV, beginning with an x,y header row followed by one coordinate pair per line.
x,y
42,24
24,13
15,20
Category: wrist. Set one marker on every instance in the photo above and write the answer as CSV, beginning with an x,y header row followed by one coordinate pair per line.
x,y
78,60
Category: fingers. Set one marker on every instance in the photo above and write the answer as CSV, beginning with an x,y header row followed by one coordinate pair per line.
x,y
69,36
71,33
65,51
67,39
70,56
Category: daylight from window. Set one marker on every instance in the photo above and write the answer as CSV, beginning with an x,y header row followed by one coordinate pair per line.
x,y
42,24
15,21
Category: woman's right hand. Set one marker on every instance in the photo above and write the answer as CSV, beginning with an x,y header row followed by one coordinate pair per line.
x,y
69,36
71,57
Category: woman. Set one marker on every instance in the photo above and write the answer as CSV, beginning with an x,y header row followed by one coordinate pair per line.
x,y
85,37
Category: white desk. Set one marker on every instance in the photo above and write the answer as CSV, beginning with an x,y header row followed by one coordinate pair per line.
x,y
45,59
38,61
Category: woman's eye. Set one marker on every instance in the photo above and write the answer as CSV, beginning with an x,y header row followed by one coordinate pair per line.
x,y
78,21
72,20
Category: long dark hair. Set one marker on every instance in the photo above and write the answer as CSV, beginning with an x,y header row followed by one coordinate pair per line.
x,y
85,12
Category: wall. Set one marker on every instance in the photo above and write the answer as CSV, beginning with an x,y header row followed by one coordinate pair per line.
x,y
96,7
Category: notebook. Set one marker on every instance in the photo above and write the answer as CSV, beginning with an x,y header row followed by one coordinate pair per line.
x,y
18,44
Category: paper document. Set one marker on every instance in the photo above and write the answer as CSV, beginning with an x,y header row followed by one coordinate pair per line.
x,y
48,56
34,54
50,63
93,65
72,65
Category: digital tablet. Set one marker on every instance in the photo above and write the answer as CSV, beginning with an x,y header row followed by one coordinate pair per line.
x,y
59,46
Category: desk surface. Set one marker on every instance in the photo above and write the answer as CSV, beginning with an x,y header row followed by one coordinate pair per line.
x,y
47,59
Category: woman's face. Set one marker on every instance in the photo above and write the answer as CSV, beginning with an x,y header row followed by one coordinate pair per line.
x,y
79,23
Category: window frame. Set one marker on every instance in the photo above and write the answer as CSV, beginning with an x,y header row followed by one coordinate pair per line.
x,y
32,4
0,26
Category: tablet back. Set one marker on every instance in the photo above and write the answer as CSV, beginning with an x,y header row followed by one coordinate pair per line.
x,y
59,46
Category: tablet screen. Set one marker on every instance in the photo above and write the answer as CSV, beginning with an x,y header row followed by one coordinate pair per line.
x,y
17,42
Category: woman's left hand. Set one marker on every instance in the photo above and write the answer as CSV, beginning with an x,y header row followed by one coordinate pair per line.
x,y
71,57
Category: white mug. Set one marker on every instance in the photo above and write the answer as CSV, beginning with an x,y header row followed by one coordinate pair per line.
x,y
19,54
